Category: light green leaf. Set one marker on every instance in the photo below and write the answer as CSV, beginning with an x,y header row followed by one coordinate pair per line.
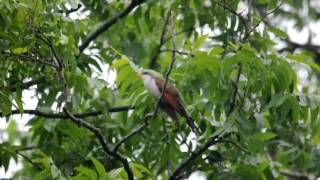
x,y
265,136
200,40
20,50
99,167
19,99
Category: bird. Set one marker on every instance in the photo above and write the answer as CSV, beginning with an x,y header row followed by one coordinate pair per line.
x,y
170,102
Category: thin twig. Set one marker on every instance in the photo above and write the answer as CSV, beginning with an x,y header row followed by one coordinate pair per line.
x,y
134,132
29,58
247,34
69,11
27,148
235,144
161,41
107,24
152,115
29,160
296,176
201,149
102,141
64,116
58,62
173,59
235,91
178,52
231,10
178,33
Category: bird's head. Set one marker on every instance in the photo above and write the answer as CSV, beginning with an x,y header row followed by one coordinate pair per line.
x,y
149,73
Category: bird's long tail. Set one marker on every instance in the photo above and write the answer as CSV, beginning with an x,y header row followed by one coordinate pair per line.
x,y
193,126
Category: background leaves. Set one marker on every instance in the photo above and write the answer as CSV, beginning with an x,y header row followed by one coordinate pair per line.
x,y
273,128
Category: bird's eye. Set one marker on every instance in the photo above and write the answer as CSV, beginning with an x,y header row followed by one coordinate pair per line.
x,y
145,73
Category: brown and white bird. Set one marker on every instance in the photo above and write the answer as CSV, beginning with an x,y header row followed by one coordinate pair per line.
x,y
170,102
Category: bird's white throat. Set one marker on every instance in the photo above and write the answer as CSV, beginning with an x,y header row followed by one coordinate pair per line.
x,y
150,84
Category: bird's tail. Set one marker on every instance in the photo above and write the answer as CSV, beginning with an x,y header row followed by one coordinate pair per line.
x,y
193,126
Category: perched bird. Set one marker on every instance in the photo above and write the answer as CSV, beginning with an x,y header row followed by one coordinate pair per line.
x,y
170,102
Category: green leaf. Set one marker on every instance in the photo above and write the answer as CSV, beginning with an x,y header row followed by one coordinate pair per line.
x,y
140,168
20,50
100,168
199,41
118,174
246,171
216,51
305,60
119,63
265,136
85,173
6,103
19,99
278,32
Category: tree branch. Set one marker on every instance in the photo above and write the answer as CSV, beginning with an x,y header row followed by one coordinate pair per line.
x,y
235,144
69,11
295,176
161,42
29,160
134,132
201,149
153,115
64,116
214,139
178,33
107,24
29,58
261,19
102,141
178,52
235,91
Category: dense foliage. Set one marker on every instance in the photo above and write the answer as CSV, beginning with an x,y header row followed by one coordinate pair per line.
x,y
259,117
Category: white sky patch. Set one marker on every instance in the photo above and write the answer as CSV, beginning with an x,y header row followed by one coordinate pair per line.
x,y
197,175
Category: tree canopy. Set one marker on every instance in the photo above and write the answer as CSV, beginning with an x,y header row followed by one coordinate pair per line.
x,y
251,88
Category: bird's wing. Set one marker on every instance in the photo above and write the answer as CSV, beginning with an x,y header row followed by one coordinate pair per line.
x,y
172,96
169,88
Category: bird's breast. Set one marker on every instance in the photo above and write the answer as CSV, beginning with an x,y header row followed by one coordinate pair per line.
x,y
151,86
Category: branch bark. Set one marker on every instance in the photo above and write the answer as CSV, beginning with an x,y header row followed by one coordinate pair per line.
x,y
64,116
214,139
107,24
161,42
201,149
152,115
102,141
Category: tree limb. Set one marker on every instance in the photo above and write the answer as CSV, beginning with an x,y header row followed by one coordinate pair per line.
x,y
69,11
153,115
235,144
261,19
29,160
214,139
201,149
294,176
102,141
107,24
29,58
64,116
178,52
161,42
